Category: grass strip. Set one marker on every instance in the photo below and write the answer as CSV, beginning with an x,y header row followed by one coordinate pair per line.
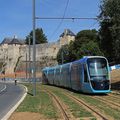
x,y
41,103
77,110
108,110
113,99
113,112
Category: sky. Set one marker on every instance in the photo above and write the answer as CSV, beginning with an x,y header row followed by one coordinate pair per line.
x,y
16,17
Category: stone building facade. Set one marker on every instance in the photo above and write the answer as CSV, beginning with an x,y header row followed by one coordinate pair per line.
x,y
14,53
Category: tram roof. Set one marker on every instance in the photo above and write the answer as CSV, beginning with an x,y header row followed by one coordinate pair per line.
x,y
77,61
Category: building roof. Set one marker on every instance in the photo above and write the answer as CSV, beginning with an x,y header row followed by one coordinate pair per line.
x,y
15,41
11,41
67,32
6,41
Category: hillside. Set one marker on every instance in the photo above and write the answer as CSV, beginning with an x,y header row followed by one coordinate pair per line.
x,y
115,79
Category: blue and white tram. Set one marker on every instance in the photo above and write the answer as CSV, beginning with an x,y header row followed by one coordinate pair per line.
x,y
89,75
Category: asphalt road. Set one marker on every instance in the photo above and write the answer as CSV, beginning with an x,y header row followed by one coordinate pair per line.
x,y
2,87
9,97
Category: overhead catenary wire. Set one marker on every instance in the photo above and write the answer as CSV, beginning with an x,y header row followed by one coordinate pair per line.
x,y
67,18
93,24
61,19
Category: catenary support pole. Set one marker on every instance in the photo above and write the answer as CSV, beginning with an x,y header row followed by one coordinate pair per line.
x,y
29,60
26,67
34,52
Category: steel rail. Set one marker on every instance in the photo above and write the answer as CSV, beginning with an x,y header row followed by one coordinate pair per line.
x,y
86,105
107,101
66,117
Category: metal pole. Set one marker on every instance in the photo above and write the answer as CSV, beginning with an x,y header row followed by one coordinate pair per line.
x,y
29,60
26,66
62,56
34,51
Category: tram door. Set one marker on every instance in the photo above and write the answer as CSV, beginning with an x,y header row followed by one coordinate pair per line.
x,y
76,76
86,80
86,84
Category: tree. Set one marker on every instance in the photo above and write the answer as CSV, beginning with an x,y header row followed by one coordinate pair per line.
x,y
40,37
110,29
106,40
87,34
90,49
63,54
85,44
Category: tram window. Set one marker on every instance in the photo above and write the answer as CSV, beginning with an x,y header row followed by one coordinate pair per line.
x,y
97,67
85,74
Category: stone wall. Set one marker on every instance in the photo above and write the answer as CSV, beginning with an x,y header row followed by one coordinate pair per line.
x,y
16,56
12,55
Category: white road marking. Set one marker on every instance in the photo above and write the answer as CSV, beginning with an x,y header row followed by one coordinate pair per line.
x,y
3,89
15,107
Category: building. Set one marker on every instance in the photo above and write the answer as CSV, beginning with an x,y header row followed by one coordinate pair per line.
x,y
14,53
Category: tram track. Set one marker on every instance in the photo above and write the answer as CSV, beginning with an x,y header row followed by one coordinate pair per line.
x,y
117,105
115,96
59,105
91,109
116,92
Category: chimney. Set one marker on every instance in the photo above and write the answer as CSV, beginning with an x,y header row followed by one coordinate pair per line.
x,y
65,32
15,37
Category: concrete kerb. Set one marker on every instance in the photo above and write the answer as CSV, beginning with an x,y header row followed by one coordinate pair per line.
x,y
15,107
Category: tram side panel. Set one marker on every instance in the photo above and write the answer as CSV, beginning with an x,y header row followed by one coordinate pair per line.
x,y
51,76
76,76
86,87
44,77
57,75
66,75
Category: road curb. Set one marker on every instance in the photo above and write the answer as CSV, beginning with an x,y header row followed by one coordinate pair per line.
x,y
17,104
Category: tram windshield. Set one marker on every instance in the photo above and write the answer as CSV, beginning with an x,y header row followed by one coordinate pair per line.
x,y
98,68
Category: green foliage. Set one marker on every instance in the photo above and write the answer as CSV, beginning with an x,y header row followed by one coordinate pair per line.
x,y
85,44
110,29
63,54
40,37
106,40
90,49
86,35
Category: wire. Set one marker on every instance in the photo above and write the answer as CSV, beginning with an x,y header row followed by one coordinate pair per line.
x,y
93,25
66,8
61,19
67,18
